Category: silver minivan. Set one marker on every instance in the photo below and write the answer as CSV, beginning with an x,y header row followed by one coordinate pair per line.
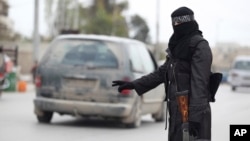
x,y
74,77
239,75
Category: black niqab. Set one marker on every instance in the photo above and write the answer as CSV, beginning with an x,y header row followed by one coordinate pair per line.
x,y
179,41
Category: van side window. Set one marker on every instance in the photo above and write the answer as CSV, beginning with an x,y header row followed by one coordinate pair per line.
x,y
135,59
99,54
148,62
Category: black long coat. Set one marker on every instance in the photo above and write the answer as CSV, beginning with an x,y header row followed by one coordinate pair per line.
x,y
190,77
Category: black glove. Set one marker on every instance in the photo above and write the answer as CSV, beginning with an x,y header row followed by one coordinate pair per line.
x,y
123,85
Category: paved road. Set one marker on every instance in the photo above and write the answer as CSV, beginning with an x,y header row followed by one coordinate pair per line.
x,y
230,108
18,123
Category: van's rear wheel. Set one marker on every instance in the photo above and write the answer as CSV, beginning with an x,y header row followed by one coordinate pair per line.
x,y
233,88
134,119
161,114
45,117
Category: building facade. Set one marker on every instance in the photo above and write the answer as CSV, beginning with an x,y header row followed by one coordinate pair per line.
x,y
6,25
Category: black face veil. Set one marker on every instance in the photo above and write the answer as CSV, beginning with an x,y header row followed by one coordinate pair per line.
x,y
184,26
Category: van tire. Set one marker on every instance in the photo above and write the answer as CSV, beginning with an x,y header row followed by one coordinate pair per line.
x,y
233,88
45,117
161,114
135,116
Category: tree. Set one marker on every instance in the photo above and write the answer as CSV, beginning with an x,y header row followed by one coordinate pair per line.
x,y
61,15
48,14
140,28
101,17
105,17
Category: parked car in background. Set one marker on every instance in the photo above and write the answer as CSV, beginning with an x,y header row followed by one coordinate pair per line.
x,y
239,75
75,76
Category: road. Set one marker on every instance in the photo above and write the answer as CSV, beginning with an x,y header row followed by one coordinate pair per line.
x,y
18,123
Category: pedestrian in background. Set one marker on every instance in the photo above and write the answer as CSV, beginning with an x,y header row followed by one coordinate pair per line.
x,y
33,71
186,71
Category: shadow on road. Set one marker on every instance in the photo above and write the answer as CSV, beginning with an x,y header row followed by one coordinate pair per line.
x,y
97,123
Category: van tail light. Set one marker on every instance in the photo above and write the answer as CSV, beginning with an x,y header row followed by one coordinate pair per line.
x,y
1,75
126,92
38,81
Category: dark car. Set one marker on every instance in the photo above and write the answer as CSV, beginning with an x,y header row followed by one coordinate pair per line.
x,y
74,77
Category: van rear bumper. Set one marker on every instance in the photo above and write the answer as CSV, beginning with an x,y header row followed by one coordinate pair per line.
x,y
82,108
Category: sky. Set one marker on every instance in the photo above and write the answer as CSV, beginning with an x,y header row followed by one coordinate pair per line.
x,y
219,20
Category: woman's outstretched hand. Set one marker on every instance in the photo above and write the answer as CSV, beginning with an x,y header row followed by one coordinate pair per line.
x,y
122,85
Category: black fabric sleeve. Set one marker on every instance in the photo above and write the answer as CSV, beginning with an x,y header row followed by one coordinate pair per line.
x,y
150,81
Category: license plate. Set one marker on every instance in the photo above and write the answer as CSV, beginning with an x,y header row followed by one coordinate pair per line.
x,y
80,83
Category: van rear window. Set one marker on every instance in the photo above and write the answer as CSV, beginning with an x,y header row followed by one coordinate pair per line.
x,y
83,52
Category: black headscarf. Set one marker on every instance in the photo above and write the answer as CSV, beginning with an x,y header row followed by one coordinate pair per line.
x,y
187,28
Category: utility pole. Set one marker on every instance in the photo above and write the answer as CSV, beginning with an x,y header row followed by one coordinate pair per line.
x,y
36,38
156,52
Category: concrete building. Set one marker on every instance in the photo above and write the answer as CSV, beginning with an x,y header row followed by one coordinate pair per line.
x,y
6,25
